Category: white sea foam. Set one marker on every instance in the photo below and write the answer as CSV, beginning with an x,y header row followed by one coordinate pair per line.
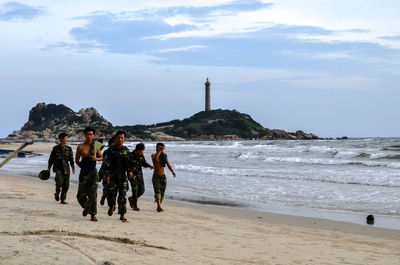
x,y
347,175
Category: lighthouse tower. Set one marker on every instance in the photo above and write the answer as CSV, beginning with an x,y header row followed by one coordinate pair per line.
x,y
208,96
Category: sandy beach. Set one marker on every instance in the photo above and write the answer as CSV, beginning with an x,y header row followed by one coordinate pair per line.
x,y
35,147
35,229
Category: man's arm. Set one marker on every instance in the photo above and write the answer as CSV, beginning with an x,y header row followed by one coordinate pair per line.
x,y
131,164
99,156
71,161
145,164
78,155
156,156
170,168
106,166
51,159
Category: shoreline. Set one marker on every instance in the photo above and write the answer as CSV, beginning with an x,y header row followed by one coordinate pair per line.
x,y
36,229
282,217
294,220
391,222
307,216
381,220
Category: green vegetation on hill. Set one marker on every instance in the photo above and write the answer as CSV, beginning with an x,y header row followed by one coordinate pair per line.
x,y
218,123
215,122
139,131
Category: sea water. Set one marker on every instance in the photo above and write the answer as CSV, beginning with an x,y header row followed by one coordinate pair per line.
x,y
337,176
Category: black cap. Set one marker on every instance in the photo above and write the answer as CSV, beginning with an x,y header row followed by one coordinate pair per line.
x,y
44,175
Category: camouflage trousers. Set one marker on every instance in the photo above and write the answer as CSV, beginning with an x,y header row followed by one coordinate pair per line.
x,y
137,185
159,185
120,189
62,184
106,188
87,190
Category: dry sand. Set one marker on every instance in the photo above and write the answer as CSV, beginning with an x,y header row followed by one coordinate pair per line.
x,y
35,229
35,147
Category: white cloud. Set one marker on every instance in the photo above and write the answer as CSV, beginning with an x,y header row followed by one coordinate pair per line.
x,y
61,16
322,55
184,49
374,18
370,19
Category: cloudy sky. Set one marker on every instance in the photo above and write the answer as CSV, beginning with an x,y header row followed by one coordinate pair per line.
x,y
331,67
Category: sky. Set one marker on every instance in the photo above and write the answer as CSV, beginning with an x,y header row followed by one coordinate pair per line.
x,y
331,67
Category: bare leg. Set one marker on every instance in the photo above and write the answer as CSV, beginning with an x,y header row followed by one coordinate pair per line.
x,y
159,209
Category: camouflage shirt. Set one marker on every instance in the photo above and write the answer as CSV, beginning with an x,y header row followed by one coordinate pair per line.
x,y
117,162
59,158
101,171
139,162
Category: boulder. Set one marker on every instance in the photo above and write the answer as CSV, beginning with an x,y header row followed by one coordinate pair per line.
x,y
160,136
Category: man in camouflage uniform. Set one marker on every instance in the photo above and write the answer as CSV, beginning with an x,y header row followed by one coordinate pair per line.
x,y
137,182
116,165
59,158
88,178
111,142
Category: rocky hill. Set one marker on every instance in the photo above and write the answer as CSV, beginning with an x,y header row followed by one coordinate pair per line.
x,y
46,121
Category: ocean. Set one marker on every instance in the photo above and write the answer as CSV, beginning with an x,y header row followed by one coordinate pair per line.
x,y
336,179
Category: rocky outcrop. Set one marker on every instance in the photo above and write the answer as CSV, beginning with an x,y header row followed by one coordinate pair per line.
x,y
46,121
205,137
281,134
160,136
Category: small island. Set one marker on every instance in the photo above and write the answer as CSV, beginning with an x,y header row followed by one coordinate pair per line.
x,y
46,121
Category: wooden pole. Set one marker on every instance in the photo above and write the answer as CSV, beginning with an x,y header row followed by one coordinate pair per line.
x,y
15,153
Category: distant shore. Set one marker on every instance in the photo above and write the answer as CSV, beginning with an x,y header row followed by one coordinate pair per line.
x,y
36,229
35,147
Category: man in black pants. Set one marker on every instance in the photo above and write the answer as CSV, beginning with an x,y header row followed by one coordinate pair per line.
x,y
86,158
137,182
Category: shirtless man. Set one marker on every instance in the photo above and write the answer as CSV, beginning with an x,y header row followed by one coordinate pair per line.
x,y
88,179
160,160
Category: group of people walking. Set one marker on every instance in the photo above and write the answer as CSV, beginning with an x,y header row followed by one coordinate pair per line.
x,y
119,167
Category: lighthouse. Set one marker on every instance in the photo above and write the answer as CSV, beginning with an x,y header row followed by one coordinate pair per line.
x,y
208,96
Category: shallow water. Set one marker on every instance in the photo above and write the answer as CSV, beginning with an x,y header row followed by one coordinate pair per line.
x,y
357,175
